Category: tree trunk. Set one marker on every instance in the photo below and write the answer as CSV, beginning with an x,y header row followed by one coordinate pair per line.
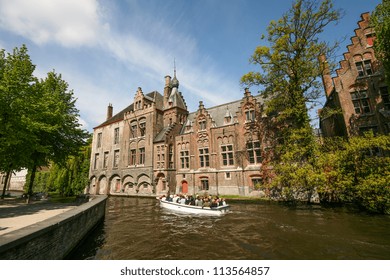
x,y
6,183
31,183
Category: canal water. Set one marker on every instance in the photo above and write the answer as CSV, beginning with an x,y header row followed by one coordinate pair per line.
x,y
137,228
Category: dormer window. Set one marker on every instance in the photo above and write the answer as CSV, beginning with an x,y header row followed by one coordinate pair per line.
x,y
361,102
364,68
202,125
250,115
188,126
138,105
370,39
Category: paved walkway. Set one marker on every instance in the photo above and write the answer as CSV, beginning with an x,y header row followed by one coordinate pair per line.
x,y
16,214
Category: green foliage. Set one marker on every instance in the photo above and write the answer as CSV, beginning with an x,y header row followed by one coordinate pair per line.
x,y
381,21
38,118
358,171
69,178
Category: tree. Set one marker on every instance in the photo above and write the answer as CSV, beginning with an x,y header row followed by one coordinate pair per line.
x,y
290,74
16,96
38,118
54,125
381,20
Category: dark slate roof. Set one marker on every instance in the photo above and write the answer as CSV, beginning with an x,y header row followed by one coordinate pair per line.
x,y
219,112
153,96
177,100
161,136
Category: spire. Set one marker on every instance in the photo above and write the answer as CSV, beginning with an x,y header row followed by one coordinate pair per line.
x,y
174,67
175,81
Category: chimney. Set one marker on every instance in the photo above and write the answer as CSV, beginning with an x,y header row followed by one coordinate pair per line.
x,y
109,111
247,93
326,77
167,80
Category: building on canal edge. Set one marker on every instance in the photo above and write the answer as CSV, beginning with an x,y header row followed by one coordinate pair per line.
x,y
155,145
358,90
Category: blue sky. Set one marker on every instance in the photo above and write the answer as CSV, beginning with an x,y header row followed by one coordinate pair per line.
x,y
106,49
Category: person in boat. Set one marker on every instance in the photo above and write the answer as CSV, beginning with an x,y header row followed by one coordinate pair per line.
x,y
176,198
206,203
199,201
214,203
182,199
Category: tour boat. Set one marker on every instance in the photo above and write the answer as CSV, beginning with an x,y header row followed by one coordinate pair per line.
x,y
216,211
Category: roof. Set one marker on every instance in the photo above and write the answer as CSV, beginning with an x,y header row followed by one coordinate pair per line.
x,y
153,96
218,113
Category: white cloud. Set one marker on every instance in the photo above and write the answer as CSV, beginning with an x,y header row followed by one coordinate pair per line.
x,y
67,22
147,47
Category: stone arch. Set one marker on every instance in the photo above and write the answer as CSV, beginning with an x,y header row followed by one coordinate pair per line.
x,y
161,183
144,184
129,185
357,57
102,185
115,184
91,189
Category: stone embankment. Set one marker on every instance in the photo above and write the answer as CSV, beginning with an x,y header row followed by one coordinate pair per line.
x,y
53,237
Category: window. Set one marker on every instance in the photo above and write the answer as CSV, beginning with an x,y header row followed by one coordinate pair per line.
x,y
96,161
202,125
133,129
227,155
227,175
254,152
133,157
142,128
385,97
185,159
141,155
361,102
116,158
170,159
204,157
204,184
370,39
364,68
160,157
116,135
99,140
105,160
257,182
250,115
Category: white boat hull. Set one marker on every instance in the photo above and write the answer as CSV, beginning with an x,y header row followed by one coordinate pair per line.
x,y
217,211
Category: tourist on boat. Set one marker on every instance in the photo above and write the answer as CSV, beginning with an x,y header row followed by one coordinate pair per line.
x,y
199,201
214,203
190,200
206,203
182,199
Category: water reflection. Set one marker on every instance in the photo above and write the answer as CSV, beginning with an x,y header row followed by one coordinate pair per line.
x,y
136,228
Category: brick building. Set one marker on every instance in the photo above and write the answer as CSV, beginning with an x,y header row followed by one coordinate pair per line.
x,y
155,145
358,91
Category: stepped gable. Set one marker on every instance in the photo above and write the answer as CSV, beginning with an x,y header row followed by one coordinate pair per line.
x,y
218,113
153,96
